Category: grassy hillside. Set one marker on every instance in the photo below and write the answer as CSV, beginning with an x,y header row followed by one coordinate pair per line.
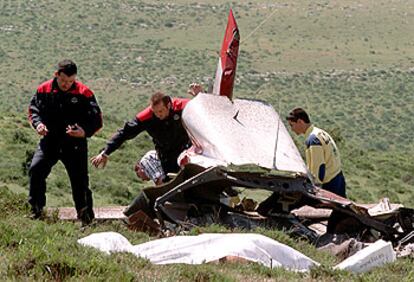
x,y
47,251
349,63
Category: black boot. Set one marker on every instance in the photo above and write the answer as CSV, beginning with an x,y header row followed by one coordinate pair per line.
x,y
37,212
86,215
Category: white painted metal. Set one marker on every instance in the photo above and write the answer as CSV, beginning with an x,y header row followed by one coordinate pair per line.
x,y
241,132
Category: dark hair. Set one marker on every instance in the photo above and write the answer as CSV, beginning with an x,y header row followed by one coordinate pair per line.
x,y
298,113
68,67
158,98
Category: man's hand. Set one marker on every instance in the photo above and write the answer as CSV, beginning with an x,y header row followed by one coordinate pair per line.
x,y
99,160
194,89
42,129
75,131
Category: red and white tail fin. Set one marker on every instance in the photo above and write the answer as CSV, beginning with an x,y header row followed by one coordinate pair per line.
x,y
226,69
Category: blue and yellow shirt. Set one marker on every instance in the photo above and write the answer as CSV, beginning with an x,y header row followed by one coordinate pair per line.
x,y
322,155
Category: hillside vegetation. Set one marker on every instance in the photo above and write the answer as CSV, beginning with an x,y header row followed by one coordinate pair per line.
x,y
349,63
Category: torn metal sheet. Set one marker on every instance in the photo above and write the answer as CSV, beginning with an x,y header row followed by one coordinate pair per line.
x,y
226,68
383,207
405,250
343,249
312,213
377,254
241,132
194,198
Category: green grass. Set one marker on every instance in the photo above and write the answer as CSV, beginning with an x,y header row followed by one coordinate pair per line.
x,y
349,63
47,250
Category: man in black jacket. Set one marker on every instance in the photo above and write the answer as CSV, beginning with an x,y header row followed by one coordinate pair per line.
x,y
64,112
162,120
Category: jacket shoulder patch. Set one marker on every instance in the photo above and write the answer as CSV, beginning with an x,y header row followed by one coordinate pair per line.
x,y
45,87
178,104
144,115
82,89
312,141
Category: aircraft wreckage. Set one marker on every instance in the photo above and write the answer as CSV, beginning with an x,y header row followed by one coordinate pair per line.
x,y
243,144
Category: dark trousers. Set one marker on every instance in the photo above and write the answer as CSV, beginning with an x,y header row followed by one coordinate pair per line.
x,y
75,160
337,185
169,165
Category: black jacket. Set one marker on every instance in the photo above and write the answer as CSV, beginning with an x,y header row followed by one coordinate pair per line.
x,y
169,136
57,109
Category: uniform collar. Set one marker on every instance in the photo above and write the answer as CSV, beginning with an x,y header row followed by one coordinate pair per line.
x,y
55,86
308,131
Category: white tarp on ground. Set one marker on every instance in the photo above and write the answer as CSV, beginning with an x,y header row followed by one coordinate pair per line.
x,y
241,132
205,248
